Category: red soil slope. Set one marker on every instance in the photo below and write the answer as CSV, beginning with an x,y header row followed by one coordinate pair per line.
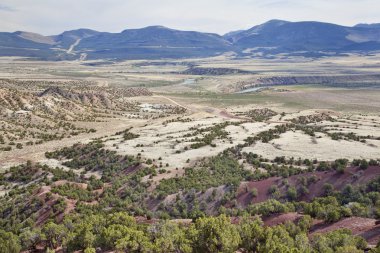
x,y
352,175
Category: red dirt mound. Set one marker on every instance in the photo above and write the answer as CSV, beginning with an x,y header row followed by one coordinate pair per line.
x,y
352,175
278,219
369,229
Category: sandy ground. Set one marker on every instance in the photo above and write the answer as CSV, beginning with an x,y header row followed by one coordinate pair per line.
x,y
37,152
207,104
298,144
169,141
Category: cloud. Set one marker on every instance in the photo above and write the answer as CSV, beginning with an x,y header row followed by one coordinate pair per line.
x,y
6,8
282,4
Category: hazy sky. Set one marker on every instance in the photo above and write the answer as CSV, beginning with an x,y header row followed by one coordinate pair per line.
x,y
220,16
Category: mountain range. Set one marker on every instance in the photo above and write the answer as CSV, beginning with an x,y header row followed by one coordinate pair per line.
x,y
157,42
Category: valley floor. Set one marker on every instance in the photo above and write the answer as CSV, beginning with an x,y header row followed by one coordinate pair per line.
x,y
155,144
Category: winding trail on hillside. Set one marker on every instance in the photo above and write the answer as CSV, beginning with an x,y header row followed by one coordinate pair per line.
x,y
173,101
212,110
72,47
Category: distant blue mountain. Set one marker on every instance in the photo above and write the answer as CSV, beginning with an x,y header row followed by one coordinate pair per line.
x,y
157,42
154,42
368,25
283,37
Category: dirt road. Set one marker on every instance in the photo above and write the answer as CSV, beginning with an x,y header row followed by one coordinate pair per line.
x,y
72,47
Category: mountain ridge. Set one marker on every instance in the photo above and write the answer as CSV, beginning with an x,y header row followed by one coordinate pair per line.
x,y
160,42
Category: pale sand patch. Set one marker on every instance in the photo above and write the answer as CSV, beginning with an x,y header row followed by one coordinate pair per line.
x,y
54,163
361,131
364,127
257,127
163,141
291,116
36,153
297,144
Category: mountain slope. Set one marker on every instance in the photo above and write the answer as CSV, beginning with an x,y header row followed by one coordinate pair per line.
x,y
35,37
24,44
29,44
270,25
67,38
154,42
377,25
283,36
157,42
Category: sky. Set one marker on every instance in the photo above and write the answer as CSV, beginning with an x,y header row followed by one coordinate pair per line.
x,y
50,17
